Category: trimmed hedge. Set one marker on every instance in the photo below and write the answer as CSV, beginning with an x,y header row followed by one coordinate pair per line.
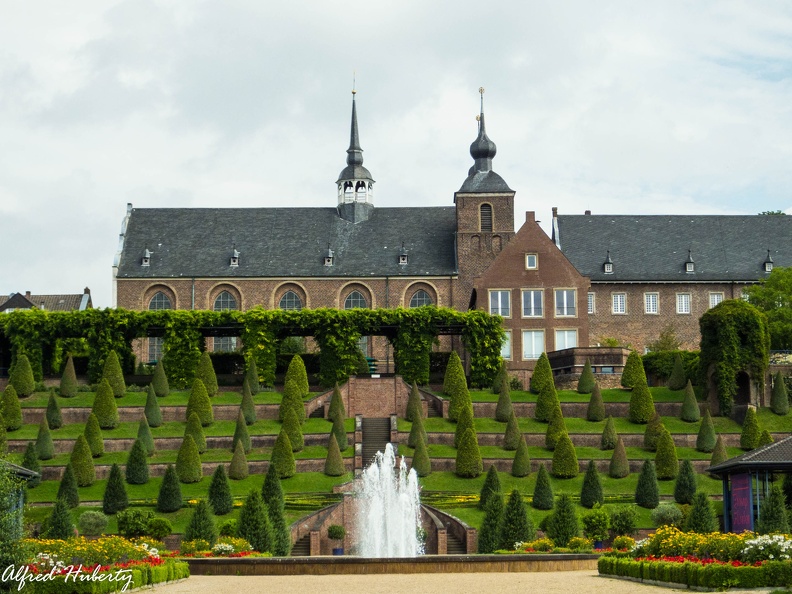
x,y
543,489
115,498
666,459
241,434
12,411
420,461
749,438
104,406
504,409
238,469
45,449
291,425
619,464
206,373
137,471
633,374
152,408
253,524
542,375
609,435
283,456
555,429
596,407
457,384
159,381
31,461
188,461
490,488
719,454
67,489
82,463
68,383
53,414
586,382
468,458
417,433
706,438
647,491
511,438
563,524
93,435
464,422
685,487
199,403
252,376
341,435
642,407
678,377
337,405
701,518
292,400
169,498
779,400
334,463
516,525
21,377
220,492
690,409
114,375
489,533
546,402
565,462
202,524
591,491
299,375
145,437
521,465
194,429
247,406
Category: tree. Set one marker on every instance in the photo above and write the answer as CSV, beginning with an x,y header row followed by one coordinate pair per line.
x,y
202,524
252,376
667,341
145,437
633,374
773,296
457,386
82,463
609,435
292,400
504,409
678,377
45,449
596,407
591,491
719,453
334,463
194,429
159,381
546,402
685,487
104,406
414,403
619,465
749,438
420,461
490,488
169,498
417,433
779,400
337,405
281,535
199,403
647,491
542,375
93,435
516,525
586,382
690,408
701,517
152,409
511,438
53,414
339,430
31,461
115,498
12,411
563,524
220,492
272,490
283,456
764,438
555,429
114,375
238,469
291,424
67,489
521,465
206,373
453,369
565,462
773,518
464,422
188,461
543,490
137,471
242,436
468,458
59,523
666,459
296,372
253,524
501,378
489,534
247,406
652,432
68,383
21,377
705,440
642,407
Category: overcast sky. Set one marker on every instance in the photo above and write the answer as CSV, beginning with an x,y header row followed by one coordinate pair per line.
x,y
617,107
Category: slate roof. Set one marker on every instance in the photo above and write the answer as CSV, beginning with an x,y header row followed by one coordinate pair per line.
x,y
287,242
484,182
79,301
775,456
15,301
654,248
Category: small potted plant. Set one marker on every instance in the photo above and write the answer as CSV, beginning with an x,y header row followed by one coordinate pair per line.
x,y
337,533
595,525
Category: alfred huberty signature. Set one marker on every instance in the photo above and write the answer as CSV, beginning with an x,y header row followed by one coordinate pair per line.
x,y
22,575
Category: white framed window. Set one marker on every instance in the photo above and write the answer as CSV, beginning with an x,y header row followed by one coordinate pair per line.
x,y
290,301
155,349
619,303
420,298
565,303
500,303
506,346
591,303
532,303
531,261
565,339
651,301
533,343
683,303
715,298
355,300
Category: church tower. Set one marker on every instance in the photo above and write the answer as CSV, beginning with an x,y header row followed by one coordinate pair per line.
x,y
355,184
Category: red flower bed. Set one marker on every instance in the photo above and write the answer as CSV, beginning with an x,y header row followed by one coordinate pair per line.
x,y
692,559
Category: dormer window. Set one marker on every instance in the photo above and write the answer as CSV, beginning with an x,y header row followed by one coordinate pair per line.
x,y
146,260
607,266
234,258
328,258
690,266
403,256
768,263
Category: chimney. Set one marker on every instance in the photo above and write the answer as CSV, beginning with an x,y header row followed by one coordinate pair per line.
x,y
588,213
555,212
27,294
530,216
86,291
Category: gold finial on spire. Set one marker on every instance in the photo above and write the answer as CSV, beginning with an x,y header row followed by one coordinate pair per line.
x,y
353,83
481,90
478,117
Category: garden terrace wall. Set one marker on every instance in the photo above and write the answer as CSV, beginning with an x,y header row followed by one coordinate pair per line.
x,y
505,464
222,412
575,409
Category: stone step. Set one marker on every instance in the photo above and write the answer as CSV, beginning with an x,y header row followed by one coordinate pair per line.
x,y
302,548
454,546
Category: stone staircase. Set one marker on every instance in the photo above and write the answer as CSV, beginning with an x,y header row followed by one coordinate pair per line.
x,y
454,546
376,434
302,548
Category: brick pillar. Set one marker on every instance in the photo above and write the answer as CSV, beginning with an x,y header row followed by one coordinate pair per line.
x,y
316,547
442,541
394,430
471,540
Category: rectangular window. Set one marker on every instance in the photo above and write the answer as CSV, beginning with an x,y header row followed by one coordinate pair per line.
x,y
225,344
506,346
683,303
619,303
532,303
591,303
500,303
531,261
715,298
154,349
532,343
565,303
650,303
565,339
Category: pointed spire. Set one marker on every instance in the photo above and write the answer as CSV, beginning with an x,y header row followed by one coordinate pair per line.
x,y
481,177
355,184
354,152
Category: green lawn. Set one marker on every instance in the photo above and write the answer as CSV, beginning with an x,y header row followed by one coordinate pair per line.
x,y
661,394
39,399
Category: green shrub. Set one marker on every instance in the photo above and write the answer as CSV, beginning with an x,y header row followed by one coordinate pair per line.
x,y
272,490
468,458
281,535
220,492
159,528
596,407
773,518
292,400
565,462
719,453
749,438
690,408
145,437
93,435
291,425
647,491
200,404
414,404
451,372
206,373
133,522
337,405
417,432
341,435
160,381
555,428
546,402
516,525
764,438
228,528
504,409
633,374
54,418
464,422
779,400
490,487
115,498
543,490
596,524
252,376
667,514
501,378
701,518
586,382
59,524
253,524
67,489
705,441
420,461
82,463
188,461
242,436
489,533
666,459
114,376
619,464
169,498
685,486
641,404
678,377
511,438
92,523
623,521
334,463
609,435
31,461
12,411
152,409
591,491
194,429
456,384
299,375
563,523
248,407
137,471
239,465
104,406
521,465
202,524
68,383
542,375
283,456
21,377
45,449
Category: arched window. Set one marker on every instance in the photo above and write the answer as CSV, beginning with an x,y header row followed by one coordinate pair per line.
x,y
160,301
419,298
290,300
225,301
486,217
355,299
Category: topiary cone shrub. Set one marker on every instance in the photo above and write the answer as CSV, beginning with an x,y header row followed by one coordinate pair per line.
x,y
420,461
633,374
54,417
542,375
690,408
283,456
501,377
169,498
202,524
220,492
414,405
511,438
546,403
652,432
341,435
749,438
586,382
247,406
3,438
45,449
93,435
292,400
12,411
489,534
641,404
200,404
272,490
337,405
67,490
609,435
31,461
464,422
241,434
254,524
145,437
417,432
137,471
591,491
291,425
666,459
619,464
59,523
516,525
563,524
252,376
779,400
68,383
453,369
152,408
521,465
490,488
706,438
297,372
21,377
647,491
115,498
159,381
457,385
114,375
82,463
701,517
238,469
596,407
685,487
719,453
206,373
334,463
468,459
678,377
764,438
194,429
774,514
188,461
543,490
504,409
565,462
104,406
555,429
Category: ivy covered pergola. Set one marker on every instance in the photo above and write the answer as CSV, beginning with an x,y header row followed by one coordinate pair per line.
x,y
411,332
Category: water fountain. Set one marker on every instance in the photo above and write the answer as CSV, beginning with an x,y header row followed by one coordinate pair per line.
x,y
389,512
